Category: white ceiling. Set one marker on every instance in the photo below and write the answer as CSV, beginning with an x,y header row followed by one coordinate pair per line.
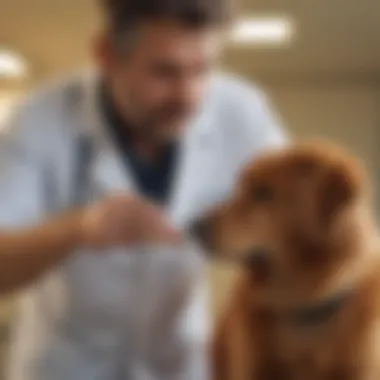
x,y
335,37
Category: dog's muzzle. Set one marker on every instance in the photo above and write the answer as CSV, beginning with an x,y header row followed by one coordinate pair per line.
x,y
200,231
259,261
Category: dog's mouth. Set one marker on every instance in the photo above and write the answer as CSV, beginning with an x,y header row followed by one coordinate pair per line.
x,y
255,259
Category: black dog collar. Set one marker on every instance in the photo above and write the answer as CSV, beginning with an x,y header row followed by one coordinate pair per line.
x,y
319,313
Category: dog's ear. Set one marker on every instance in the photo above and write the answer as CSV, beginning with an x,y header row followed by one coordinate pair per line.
x,y
338,190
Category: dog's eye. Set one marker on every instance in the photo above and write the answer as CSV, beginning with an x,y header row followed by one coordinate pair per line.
x,y
263,194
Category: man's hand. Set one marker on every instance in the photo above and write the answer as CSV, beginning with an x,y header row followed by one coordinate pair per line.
x,y
124,220
26,254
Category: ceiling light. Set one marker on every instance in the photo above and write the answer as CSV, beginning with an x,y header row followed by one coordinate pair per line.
x,y
263,31
12,65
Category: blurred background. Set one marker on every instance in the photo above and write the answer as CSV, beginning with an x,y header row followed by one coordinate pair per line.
x,y
319,62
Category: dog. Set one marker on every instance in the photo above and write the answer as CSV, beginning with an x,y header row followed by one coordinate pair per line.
x,y
306,305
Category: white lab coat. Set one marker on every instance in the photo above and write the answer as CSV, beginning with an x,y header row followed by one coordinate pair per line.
x,y
136,314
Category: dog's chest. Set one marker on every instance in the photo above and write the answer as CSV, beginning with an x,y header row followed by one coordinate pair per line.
x,y
304,367
303,355
270,370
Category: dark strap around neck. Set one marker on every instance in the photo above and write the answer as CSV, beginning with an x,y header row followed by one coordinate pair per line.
x,y
319,313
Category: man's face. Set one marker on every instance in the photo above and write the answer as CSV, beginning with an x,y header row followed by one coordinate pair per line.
x,y
159,83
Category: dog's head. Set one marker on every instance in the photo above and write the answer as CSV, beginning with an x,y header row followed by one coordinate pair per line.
x,y
297,216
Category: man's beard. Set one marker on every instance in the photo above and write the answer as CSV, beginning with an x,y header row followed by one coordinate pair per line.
x,y
164,127
160,133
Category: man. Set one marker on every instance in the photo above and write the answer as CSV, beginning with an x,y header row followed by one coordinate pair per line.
x,y
112,167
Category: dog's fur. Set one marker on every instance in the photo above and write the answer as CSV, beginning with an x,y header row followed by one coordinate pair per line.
x,y
300,222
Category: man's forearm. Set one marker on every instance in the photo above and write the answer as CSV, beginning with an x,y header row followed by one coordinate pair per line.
x,y
27,254
119,220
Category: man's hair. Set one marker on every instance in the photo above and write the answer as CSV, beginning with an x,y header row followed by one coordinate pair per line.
x,y
124,15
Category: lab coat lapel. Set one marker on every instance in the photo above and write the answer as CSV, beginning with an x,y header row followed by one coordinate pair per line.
x,y
108,172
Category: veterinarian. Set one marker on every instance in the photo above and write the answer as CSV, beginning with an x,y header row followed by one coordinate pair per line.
x,y
101,174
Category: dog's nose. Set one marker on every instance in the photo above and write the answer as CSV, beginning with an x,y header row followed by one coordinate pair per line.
x,y
259,260
200,231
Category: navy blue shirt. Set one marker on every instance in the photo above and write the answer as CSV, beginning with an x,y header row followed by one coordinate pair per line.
x,y
153,178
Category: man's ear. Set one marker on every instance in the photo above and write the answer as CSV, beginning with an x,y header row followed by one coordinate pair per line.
x,y
338,189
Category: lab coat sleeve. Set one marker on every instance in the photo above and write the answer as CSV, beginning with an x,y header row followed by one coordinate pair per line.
x,y
21,200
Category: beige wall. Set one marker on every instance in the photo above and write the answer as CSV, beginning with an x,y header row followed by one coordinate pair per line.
x,y
346,113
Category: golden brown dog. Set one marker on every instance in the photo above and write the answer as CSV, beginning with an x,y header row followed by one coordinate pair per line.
x,y
307,303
